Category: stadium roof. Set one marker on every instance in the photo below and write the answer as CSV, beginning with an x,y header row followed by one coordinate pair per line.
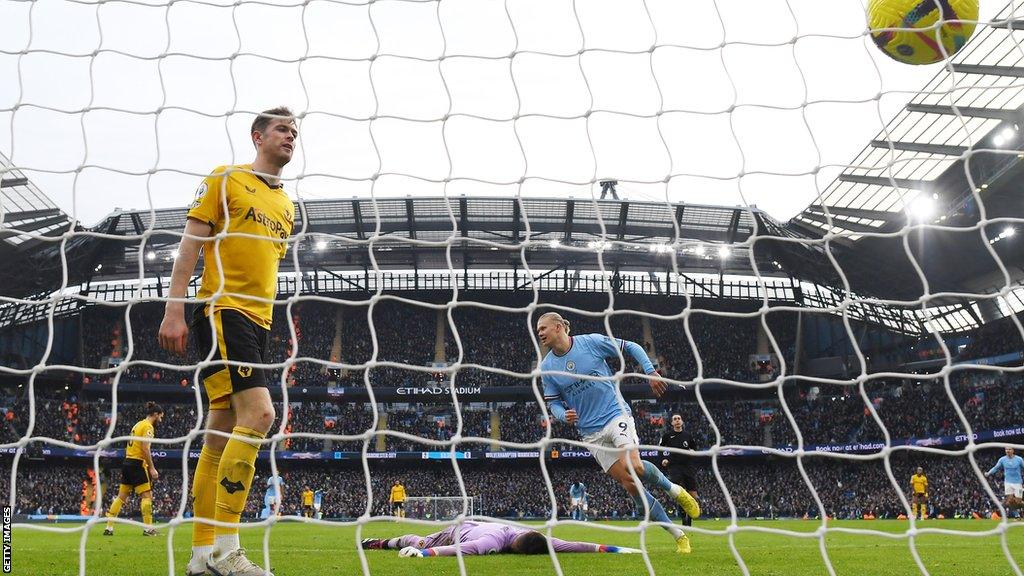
x,y
415,233
25,207
967,120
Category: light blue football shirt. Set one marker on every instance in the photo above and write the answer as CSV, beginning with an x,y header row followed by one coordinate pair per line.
x,y
596,402
577,490
1012,468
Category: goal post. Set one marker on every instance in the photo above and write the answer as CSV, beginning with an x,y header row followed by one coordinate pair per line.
x,y
442,508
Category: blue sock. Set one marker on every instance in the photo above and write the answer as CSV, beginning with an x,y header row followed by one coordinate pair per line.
x,y
653,475
657,512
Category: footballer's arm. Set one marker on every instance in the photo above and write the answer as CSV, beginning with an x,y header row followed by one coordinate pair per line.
x,y
147,455
173,329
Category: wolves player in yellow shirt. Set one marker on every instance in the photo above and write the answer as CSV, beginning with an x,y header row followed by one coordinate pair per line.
x,y
397,499
919,494
238,288
307,502
138,471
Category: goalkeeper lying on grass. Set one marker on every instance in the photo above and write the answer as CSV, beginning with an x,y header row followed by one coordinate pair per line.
x,y
477,538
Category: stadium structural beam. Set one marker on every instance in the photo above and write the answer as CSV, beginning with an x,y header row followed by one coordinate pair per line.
x,y
410,219
33,226
734,226
137,223
839,223
971,111
608,187
970,310
517,222
623,218
544,275
884,181
463,217
339,277
570,208
700,285
1008,71
854,212
357,217
655,283
923,147
12,182
11,216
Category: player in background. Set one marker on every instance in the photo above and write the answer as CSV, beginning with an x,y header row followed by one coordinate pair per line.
x,y
238,288
318,500
919,494
307,502
397,499
137,471
478,538
604,420
576,491
273,498
584,503
1013,483
679,466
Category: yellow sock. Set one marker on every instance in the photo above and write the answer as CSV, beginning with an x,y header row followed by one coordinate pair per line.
x,y
147,511
204,495
235,477
913,510
115,509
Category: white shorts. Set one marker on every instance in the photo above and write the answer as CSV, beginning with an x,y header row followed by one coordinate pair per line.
x,y
574,501
585,507
618,433
1010,489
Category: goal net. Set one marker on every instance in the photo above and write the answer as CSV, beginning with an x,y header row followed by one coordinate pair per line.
x,y
815,244
441,508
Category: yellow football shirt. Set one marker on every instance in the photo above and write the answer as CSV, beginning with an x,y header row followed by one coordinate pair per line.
x,y
398,493
920,483
144,429
307,498
249,264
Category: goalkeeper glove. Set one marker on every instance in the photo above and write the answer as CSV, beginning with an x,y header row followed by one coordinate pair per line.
x,y
411,552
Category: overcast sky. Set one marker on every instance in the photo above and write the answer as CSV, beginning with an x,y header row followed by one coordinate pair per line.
x,y
127,60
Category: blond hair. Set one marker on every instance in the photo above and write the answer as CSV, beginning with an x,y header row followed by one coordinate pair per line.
x,y
557,318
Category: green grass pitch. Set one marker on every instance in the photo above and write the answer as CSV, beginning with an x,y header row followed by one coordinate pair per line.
x,y
311,550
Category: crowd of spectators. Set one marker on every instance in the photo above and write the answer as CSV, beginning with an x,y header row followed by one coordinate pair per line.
x,y
407,334
106,338
757,487
908,408
994,338
721,334
824,414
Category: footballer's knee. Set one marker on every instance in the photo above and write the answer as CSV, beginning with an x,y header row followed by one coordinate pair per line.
x,y
221,421
254,409
629,485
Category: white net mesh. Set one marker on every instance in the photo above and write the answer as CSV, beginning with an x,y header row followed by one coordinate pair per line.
x,y
681,104
440,507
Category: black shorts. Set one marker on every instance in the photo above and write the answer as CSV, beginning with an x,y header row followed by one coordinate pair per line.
x,y
307,507
684,477
239,339
135,476
398,505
